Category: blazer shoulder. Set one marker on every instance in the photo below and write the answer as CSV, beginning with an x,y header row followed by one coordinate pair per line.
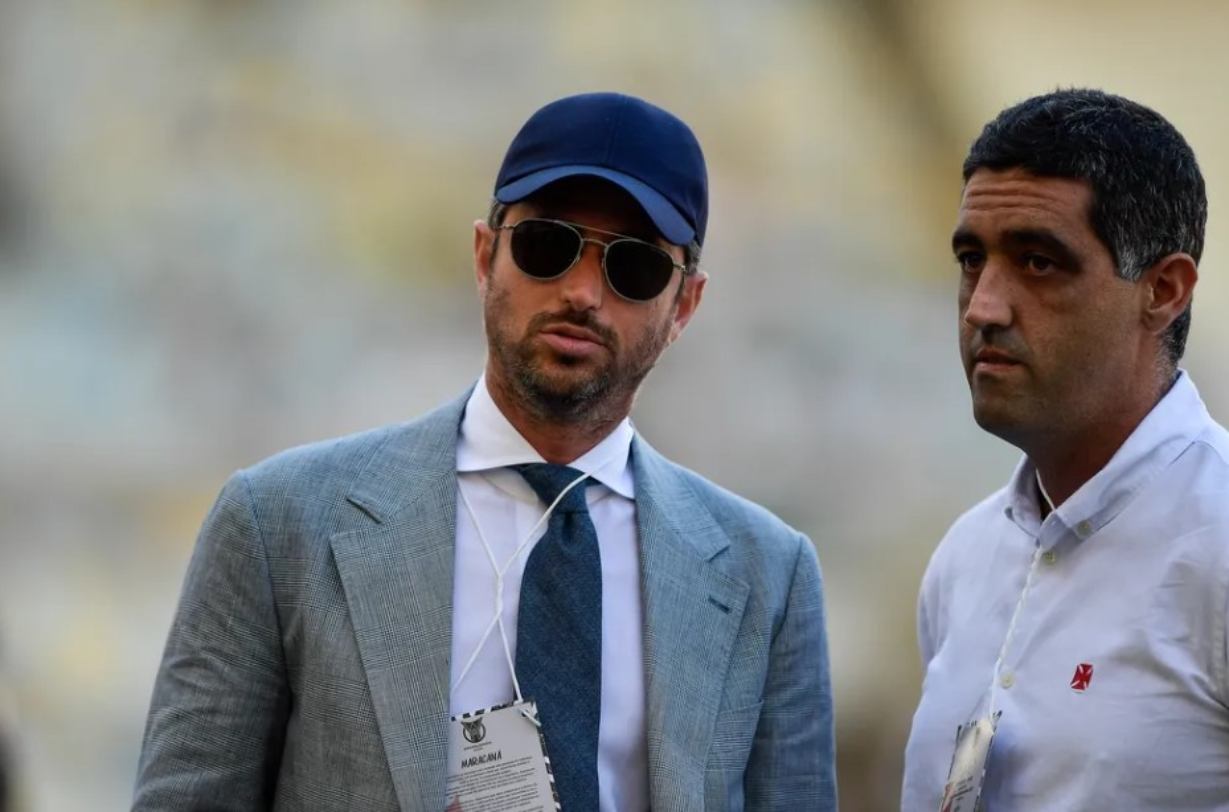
x,y
430,438
338,457
743,521
310,485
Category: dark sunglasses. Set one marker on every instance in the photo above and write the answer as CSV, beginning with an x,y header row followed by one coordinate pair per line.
x,y
636,270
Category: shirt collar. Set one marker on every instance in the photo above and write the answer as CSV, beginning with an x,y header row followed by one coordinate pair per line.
x,y
1166,431
489,441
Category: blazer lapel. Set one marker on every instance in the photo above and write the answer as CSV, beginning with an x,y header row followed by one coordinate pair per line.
x,y
397,577
692,614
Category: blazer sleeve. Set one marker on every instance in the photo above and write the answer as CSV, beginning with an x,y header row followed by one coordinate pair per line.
x,y
216,723
792,762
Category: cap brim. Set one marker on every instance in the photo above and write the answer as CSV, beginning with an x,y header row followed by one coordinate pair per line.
x,y
667,219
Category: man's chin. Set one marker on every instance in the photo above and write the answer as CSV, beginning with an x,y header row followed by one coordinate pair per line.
x,y
1002,419
565,376
563,391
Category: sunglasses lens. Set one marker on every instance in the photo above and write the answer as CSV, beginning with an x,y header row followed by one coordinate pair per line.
x,y
636,270
543,249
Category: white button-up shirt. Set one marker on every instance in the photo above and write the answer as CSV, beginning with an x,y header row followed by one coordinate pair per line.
x,y
507,509
1114,689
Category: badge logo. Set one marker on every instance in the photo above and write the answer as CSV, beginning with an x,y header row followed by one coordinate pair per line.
x,y
1083,676
473,731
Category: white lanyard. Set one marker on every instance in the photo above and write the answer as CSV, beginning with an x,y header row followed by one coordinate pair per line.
x,y
1015,615
498,620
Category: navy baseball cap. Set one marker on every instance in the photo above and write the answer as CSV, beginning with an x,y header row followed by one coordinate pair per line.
x,y
648,152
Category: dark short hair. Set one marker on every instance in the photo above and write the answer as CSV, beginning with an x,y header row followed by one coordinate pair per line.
x,y
1148,197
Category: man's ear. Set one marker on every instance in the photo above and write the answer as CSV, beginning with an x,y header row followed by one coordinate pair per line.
x,y
1167,289
484,252
689,301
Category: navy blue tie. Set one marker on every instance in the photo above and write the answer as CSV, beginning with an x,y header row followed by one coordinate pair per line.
x,y
559,635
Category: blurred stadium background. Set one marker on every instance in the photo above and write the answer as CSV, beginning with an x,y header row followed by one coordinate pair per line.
x,y
227,227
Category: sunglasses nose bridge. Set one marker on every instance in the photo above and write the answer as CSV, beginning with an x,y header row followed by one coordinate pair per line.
x,y
586,276
600,249
601,246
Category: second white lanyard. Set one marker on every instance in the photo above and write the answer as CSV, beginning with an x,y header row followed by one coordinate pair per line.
x,y
1015,615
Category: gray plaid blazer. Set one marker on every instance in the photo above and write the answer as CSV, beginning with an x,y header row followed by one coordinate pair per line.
x,y
307,666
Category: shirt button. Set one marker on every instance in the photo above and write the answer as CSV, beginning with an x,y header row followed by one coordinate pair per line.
x,y
1007,680
1049,556
1083,530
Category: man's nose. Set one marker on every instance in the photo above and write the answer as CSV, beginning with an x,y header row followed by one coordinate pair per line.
x,y
988,300
584,285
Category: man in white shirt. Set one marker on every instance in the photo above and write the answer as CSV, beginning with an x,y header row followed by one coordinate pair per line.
x,y
358,612
1073,625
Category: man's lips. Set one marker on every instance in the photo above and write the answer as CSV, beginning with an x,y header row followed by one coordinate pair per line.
x,y
993,359
571,338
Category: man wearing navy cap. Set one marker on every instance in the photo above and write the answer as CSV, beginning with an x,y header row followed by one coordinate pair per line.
x,y
514,596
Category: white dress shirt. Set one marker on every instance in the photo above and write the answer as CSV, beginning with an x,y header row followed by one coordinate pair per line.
x,y
507,509
1114,689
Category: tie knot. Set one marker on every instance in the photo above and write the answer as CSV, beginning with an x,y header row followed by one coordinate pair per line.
x,y
548,481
